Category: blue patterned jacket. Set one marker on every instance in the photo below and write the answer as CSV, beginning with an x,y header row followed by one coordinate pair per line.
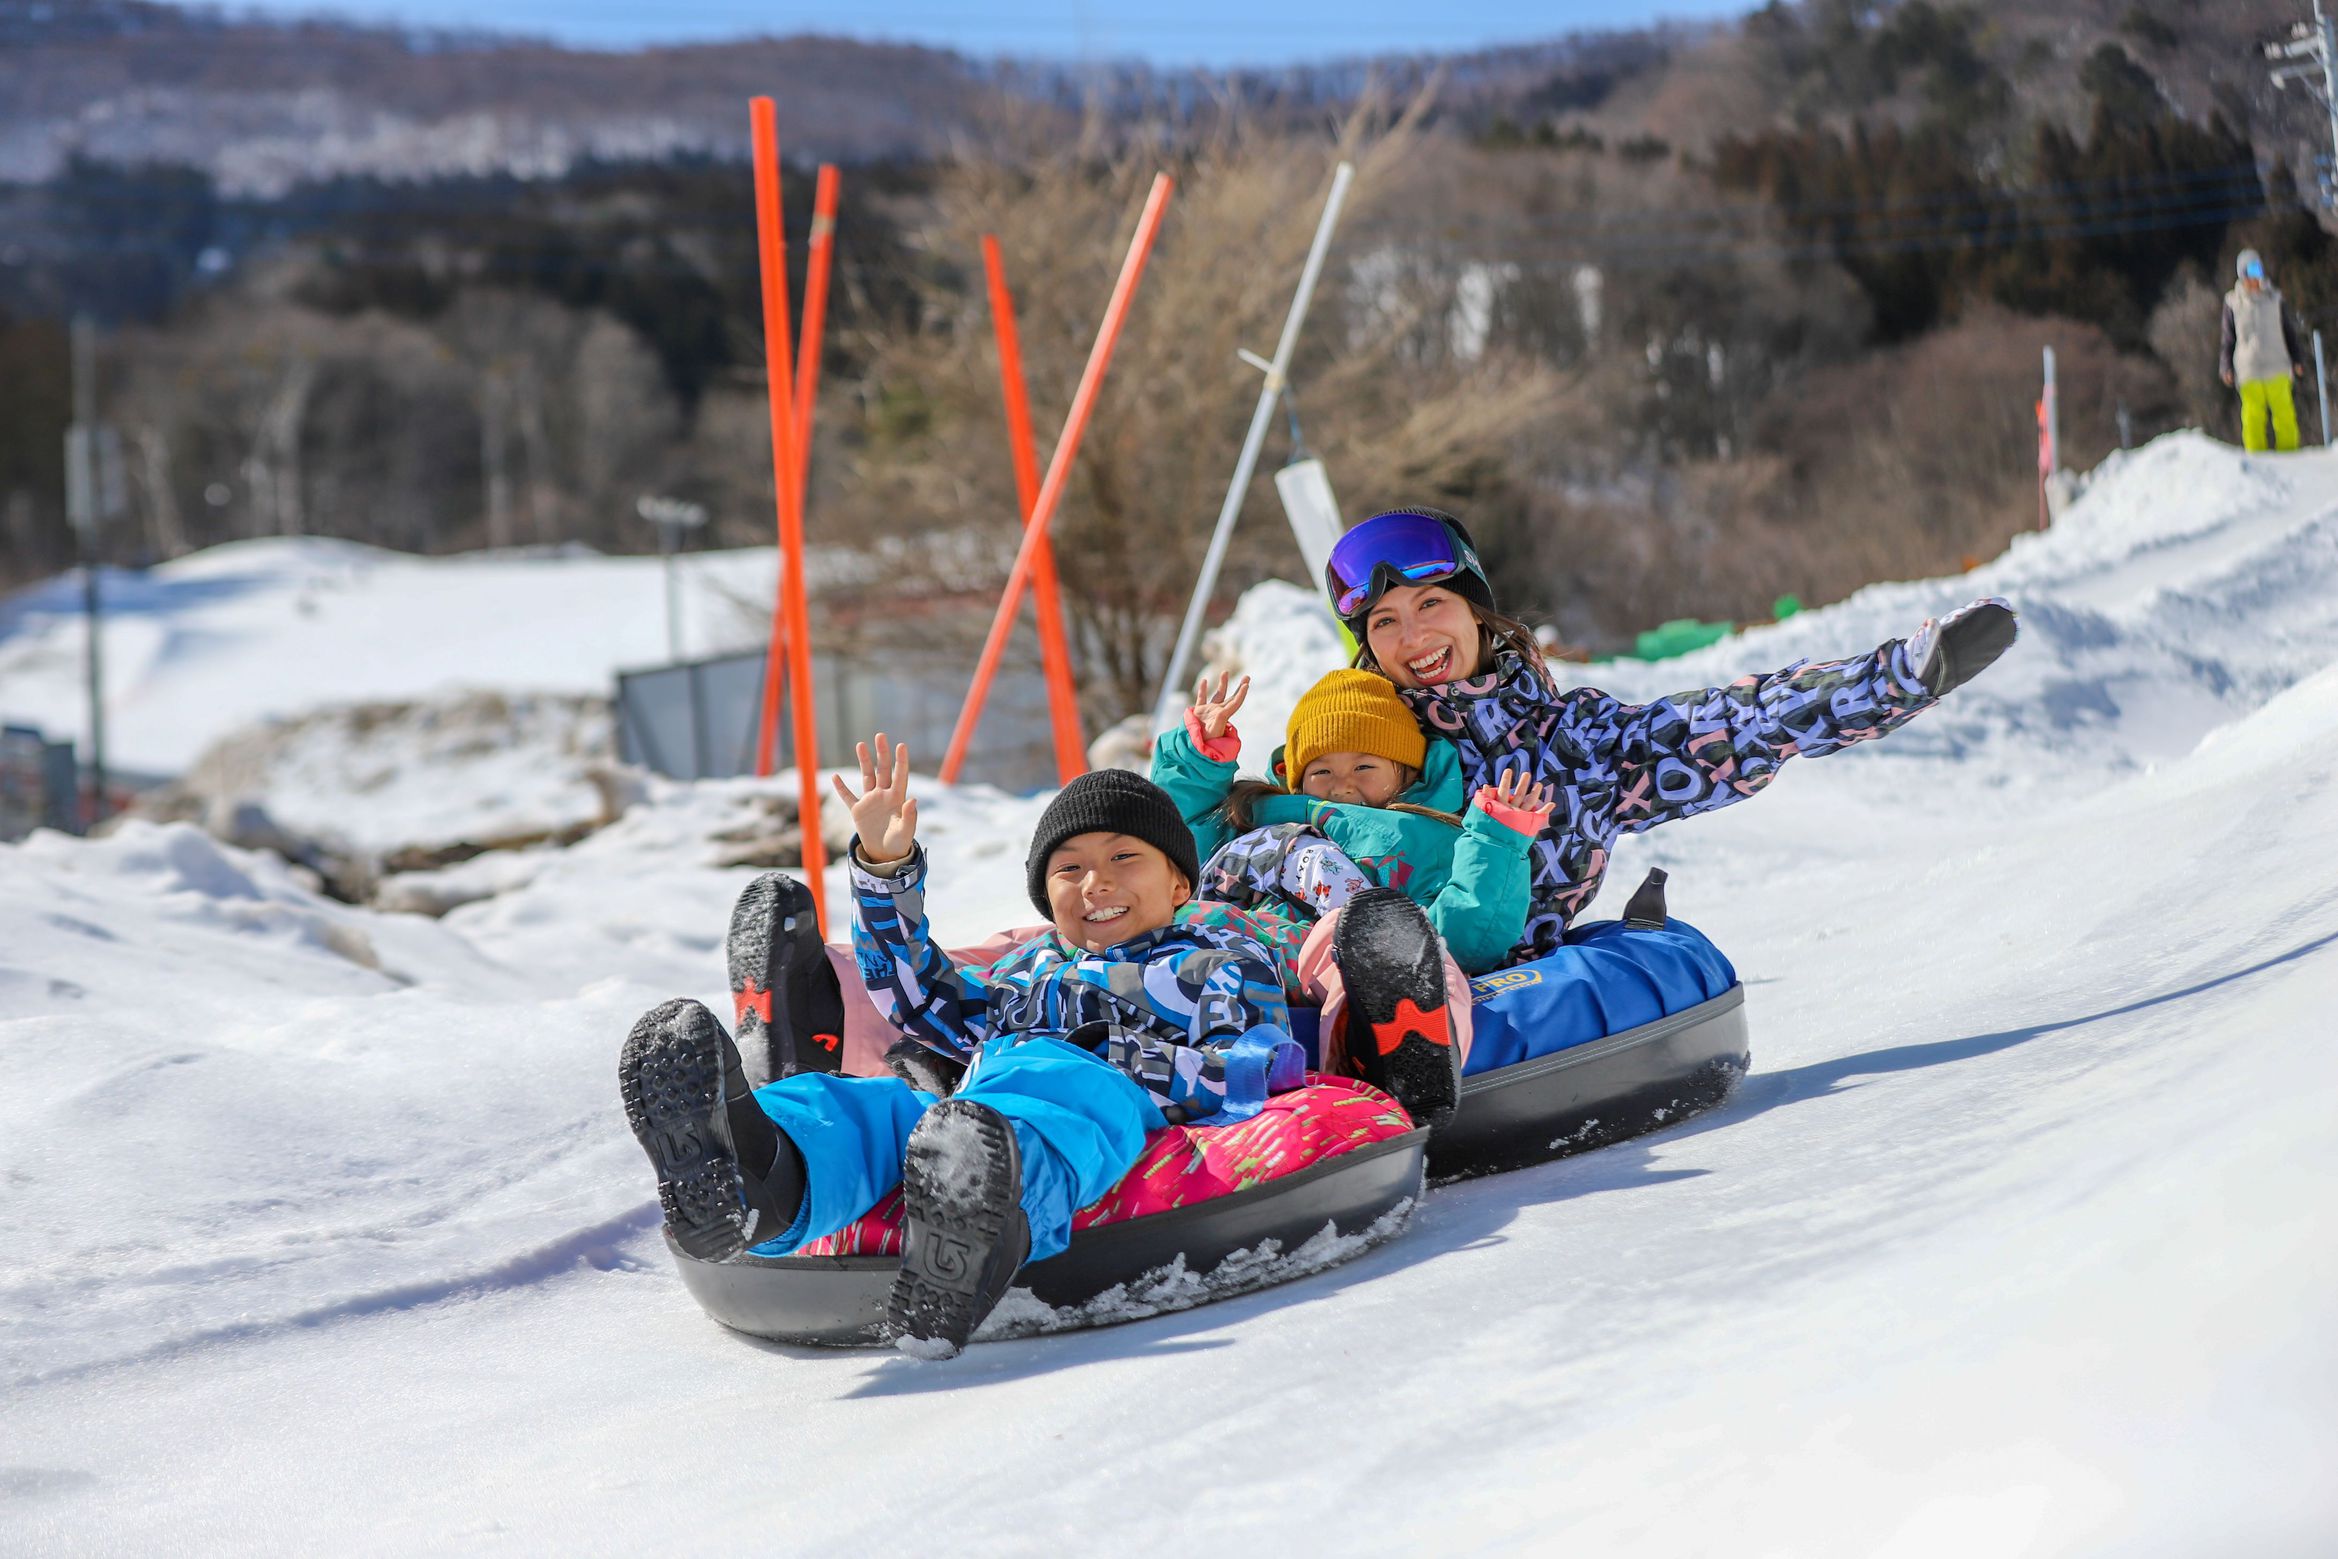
x,y
1620,768
1194,1013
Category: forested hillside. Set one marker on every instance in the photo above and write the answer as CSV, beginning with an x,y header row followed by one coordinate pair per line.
x,y
1684,320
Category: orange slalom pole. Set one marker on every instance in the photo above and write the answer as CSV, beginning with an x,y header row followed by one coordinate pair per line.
x,y
807,394
815,313
1058,470
771,263
1055,656
786,470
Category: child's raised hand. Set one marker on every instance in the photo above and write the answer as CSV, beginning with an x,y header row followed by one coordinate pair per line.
x,y
1214,708
883,814
1516,789
1516,799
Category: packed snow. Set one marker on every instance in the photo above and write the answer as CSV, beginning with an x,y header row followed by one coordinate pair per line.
x,y
324,1228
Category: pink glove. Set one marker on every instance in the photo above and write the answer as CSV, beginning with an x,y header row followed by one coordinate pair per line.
x,y
1525,820
1218,749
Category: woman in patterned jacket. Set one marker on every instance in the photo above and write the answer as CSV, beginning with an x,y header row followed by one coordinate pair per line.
x,y
1409,586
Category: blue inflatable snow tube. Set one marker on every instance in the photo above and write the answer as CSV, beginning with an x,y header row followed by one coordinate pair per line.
x,y
1608,978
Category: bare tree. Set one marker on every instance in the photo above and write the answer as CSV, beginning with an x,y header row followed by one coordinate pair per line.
x,y
1389,420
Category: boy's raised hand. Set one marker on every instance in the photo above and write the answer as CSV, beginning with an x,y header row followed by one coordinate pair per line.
x,y
883,814
1214,708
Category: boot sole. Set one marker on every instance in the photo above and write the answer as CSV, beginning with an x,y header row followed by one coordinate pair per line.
x,y
1388,957
771,953
962,1191
670,1075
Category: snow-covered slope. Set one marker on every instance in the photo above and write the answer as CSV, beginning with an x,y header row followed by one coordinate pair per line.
x,y
323,1227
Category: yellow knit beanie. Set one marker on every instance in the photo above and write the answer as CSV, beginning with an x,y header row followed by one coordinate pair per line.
x,y
1351,711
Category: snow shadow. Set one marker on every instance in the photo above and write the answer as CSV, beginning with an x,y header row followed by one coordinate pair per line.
x,y
606,1246
1461,1216
128,593
1769,1090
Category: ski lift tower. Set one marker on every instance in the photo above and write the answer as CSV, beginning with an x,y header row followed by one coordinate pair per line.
x,y
2311,49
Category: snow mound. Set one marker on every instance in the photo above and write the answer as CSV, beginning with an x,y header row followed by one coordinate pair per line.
x,y
228,637
479,767
236,1105
2188,585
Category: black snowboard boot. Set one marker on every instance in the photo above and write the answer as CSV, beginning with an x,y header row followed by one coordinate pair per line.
x,y
962,1187
1961,645
1399,1035
727,1177
924,1068
785,1001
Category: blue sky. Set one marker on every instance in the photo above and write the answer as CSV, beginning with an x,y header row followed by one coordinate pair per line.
x,y
1172,32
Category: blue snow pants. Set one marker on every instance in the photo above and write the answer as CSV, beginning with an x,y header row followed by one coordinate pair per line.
x,y
1079,1121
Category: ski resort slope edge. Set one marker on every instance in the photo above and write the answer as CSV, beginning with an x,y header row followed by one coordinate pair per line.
x,y
2020,1238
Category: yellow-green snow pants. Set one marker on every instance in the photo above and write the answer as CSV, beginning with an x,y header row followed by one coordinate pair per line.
x,y
2263,398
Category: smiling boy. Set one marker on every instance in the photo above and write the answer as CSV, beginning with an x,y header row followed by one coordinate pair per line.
x,y
1079,1044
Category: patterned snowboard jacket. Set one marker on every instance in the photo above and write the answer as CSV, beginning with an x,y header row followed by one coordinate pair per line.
x,y
1620,768
1193,1012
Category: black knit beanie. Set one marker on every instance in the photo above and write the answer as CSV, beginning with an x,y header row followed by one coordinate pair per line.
x,y
1111,801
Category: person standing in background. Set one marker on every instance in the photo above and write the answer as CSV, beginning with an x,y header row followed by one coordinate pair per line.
x,y
2260,354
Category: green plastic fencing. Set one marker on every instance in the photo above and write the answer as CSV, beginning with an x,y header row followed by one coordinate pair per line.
x,y
1683,634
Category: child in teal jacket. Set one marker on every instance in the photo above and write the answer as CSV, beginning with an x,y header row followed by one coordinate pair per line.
x,y
1364,800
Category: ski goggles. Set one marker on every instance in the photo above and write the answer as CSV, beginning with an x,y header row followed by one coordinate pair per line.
x,y
1388,550
2254,270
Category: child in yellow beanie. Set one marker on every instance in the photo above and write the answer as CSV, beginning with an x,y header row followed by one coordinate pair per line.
x,y
1351,739
1360,798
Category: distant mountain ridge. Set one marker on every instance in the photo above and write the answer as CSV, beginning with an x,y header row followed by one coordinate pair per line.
x,y
261,105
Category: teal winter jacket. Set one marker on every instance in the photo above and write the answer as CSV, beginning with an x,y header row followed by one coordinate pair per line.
x,y
1476,881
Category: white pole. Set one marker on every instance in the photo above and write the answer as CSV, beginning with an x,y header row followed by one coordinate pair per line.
x,y
1259,421
84,509
2328,39
2322,381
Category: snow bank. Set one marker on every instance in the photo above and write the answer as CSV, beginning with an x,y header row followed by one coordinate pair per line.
x,y
468,767
236,1105
2188,585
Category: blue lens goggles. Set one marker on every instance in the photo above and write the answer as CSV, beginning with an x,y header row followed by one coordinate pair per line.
x,y
1389,550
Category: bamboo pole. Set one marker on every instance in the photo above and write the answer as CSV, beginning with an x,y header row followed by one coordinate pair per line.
x,y
1063,704
1058,470
790,632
